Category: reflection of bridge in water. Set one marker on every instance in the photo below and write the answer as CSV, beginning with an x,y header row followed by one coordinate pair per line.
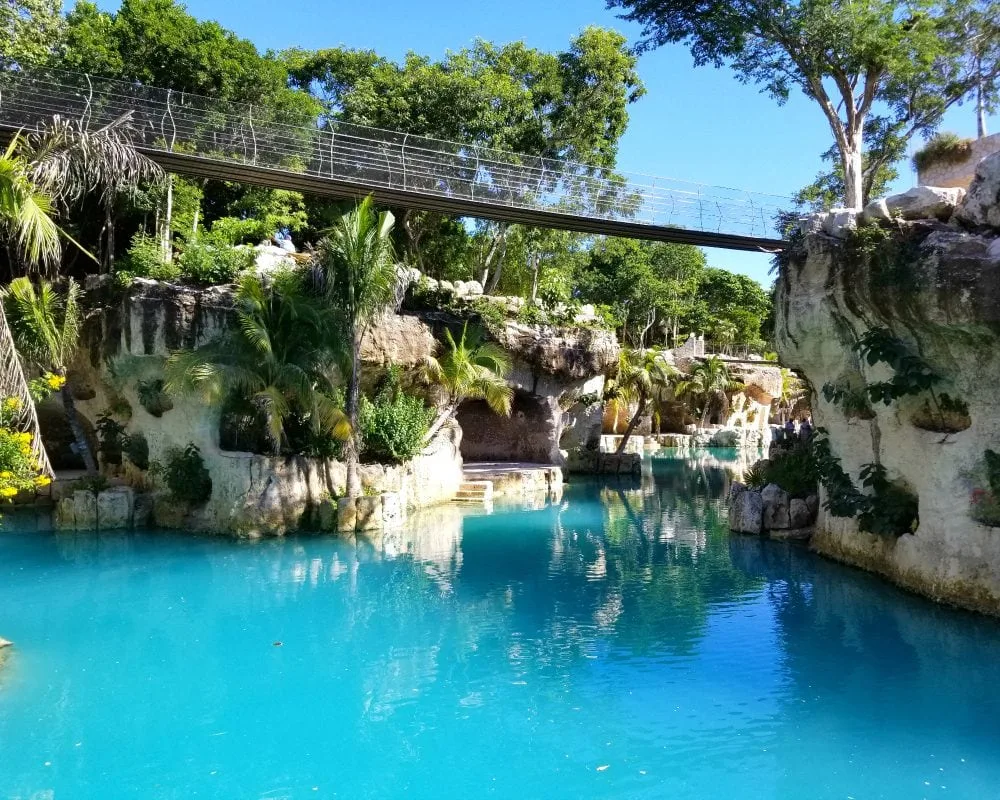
x,y
203,137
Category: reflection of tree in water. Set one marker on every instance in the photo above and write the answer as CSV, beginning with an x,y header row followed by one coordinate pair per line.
x,y
637,564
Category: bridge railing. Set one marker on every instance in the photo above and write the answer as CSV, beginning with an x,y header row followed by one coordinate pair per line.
x,y
281,139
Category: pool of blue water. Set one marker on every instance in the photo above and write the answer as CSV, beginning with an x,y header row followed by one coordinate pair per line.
x,y
618,644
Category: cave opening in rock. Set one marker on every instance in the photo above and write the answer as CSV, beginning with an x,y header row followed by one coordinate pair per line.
x,y
529,434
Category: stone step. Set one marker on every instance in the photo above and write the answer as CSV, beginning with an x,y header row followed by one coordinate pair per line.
x,y
475,492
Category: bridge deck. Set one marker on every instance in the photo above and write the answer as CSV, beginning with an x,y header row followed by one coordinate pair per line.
x,y
204,137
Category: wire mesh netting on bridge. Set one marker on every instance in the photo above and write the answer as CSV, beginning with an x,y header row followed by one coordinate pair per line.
x,y
375,159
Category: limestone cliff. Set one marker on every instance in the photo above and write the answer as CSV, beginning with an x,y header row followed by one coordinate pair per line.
x,y
926,276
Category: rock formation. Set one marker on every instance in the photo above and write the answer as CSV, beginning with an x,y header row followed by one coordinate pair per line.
x,y
921,403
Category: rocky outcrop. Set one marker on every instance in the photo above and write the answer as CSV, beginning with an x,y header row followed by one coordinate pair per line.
x,y
934,287
772,511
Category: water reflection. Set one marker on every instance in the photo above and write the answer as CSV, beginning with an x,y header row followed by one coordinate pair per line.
x,y
471,653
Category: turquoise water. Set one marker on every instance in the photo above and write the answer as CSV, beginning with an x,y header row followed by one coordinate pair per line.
x,y
618,645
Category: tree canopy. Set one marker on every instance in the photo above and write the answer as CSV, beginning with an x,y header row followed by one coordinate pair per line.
x,y
880,70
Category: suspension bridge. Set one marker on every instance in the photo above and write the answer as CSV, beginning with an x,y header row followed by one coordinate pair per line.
x,y
203,137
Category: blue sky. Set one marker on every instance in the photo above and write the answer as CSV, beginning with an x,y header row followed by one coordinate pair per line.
x,y
693,124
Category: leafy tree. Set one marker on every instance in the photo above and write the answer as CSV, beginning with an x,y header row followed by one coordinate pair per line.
x,y
357,268
279,362
29,29
470,369
730,307
649,286
708,383
641,375
880,70
46,330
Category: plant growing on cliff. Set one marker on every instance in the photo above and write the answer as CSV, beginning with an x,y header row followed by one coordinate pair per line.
x,y
187,477
880,71
708,383
356,269
279,361
469,369
393,424
19,470
944,148
46,330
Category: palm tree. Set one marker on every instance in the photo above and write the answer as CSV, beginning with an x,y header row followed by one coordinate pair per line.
x,y
356,268
641,375
26,212
46,331
470,369
710,380
280,360
68,161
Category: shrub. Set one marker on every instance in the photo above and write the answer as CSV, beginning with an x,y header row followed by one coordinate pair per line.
x,y
209,264
153,398
186,476
111,438
144,259
18,469
394,425
492,315
890,510
137,450
94,484
793,470
945,148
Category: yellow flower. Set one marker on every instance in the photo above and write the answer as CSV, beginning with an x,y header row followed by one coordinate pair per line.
x,y
6,474
55,382
43,480
8,491
11,404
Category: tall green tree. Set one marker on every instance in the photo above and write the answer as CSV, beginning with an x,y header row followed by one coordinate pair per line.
x,y
356,264
880,70
46,330
29,31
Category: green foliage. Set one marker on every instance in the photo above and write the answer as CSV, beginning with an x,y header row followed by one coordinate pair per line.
x,y
276,366
111,437
187,477
95,484
29,30
943,148
756,477
708,381
852,400
209,265
18,469
45,324
492,316
136,449
153,397
794,470
890,510
144,259
880,71
394,425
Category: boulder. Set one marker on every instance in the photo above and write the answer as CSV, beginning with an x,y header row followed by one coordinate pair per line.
x,y
368,512
84,510
746,511
392,510
725,438
326,515
736,488
799,515
812,503
839,222
981,207
923,202
877,211
142,510
347,515
114,508
776,502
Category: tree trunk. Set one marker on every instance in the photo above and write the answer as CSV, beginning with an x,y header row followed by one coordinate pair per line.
x,y
351,446
79,436
108,237
632,423
704,413
443,415
165,249
534,278
980,104
853,175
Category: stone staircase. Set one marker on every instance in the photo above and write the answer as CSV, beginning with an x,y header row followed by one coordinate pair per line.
x,y
478,492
